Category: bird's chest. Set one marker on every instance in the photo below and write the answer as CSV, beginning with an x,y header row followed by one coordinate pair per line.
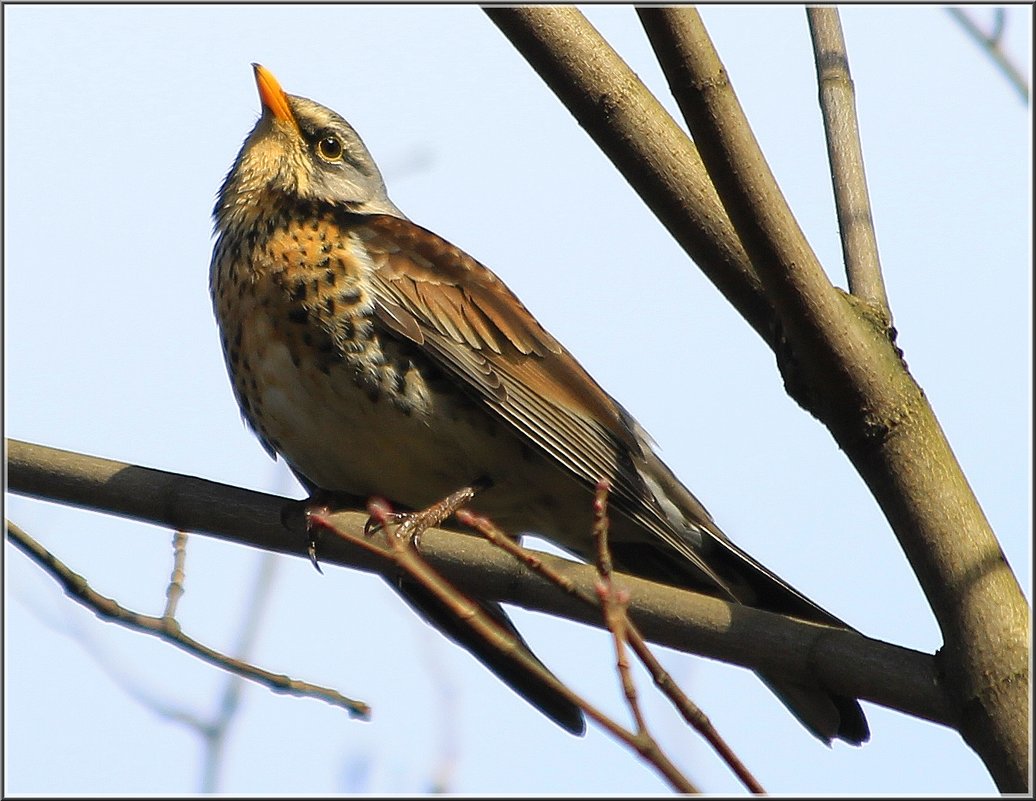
x,y
348,407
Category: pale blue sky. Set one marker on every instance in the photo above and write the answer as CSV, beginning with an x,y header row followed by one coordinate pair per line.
x,y
120,124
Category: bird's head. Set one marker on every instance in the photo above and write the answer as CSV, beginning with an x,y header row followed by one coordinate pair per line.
x,y
300,150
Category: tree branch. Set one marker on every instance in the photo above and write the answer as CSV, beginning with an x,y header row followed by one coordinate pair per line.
x,y
844,661
643,141
849,374
845,153
400,552
991,44
167,629
792,276
690,712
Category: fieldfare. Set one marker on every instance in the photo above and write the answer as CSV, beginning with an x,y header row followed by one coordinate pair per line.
x,y
378,359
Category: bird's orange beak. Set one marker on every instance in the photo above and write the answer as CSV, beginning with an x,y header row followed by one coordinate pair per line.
x,y
271,94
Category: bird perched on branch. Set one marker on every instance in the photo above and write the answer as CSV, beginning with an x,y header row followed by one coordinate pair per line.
x,y
378,359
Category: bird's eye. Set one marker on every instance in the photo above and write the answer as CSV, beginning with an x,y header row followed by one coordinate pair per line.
x,y
330,148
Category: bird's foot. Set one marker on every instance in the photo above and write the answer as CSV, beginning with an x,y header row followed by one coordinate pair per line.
x,y
409,526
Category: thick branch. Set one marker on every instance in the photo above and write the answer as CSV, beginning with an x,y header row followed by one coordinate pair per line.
x,y
790,272
643,141
858,386
844,661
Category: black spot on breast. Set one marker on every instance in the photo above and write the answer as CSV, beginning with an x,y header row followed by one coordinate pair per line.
x,y
350,295
299,314
365,330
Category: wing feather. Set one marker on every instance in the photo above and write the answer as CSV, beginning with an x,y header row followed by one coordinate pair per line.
x,y
477,331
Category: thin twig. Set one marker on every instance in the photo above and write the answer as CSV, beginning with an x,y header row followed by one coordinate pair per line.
x,y
230,699
174,592
845,154
991,43
687,708
405,558
123,678
613,601
690,711
169,630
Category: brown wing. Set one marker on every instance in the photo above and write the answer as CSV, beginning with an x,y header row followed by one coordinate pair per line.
x,y
434,294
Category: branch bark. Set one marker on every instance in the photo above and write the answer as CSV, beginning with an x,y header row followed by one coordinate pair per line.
x,y
839,361
845,152
643,142
845,661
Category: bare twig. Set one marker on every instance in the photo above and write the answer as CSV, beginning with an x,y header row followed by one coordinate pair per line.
x,y
687,708
690,711
169,630
121,676
613,601
174,592
406,559
230,700
845,154
991,43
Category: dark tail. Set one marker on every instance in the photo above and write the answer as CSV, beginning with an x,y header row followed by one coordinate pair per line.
x,y
826,714
523,681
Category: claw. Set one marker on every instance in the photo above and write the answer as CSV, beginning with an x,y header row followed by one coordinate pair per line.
x,y
372,526
313,530
380,514
312,550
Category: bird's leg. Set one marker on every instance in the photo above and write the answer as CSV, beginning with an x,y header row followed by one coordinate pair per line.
x,y
410,525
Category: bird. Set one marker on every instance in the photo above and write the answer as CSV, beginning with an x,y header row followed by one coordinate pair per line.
x,y
380,360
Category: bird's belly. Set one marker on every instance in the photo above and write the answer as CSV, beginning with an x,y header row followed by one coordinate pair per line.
x,y
342,437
